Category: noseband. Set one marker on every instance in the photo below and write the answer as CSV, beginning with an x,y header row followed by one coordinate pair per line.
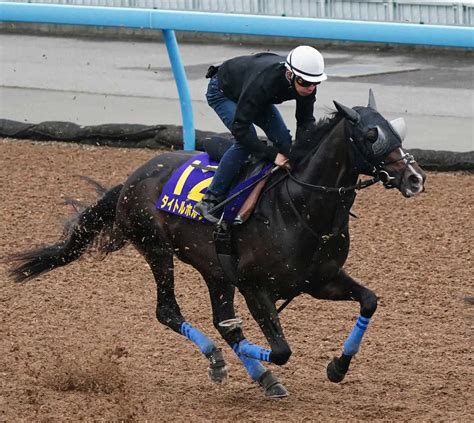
x,y
385,177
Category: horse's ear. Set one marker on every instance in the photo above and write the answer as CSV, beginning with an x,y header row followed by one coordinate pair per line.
x,y
372,104
400,127
349,113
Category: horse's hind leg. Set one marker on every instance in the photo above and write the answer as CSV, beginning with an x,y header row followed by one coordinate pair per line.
x,y
344,288
167,309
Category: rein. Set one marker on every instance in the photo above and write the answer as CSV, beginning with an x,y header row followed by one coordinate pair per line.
x,y
325,237
380,176
340,190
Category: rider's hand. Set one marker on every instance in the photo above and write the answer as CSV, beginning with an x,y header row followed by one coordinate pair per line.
x,y
282,161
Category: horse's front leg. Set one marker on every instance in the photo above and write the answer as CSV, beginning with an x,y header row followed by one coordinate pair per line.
x,y
264,312
222,299
343,288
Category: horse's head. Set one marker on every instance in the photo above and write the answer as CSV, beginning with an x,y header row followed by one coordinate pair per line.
x,y
377,148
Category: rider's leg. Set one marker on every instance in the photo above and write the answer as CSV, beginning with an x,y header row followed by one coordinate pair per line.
x,y
222,105
272,123
269,120
229,167
231,162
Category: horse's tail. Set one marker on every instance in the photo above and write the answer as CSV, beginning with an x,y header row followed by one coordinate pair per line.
x,y
92,223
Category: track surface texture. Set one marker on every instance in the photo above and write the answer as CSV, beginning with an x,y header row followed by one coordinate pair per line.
x,y
82,342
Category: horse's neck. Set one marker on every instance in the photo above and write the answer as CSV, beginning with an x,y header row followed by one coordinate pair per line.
x,y
330,165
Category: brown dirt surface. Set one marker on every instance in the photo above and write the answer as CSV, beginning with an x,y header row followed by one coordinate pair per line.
x,y
82,342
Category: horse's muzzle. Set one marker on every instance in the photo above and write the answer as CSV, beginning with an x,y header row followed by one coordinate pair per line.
x,y
413,181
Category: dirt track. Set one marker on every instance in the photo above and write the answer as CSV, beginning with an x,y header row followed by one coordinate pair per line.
x,y
82,342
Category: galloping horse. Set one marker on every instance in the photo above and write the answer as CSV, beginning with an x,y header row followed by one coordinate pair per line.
x,y
296,241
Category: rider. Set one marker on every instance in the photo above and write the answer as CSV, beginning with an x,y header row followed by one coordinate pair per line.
x,y
243,91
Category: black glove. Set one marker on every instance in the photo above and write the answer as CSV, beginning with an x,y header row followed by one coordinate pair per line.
x,y
211,71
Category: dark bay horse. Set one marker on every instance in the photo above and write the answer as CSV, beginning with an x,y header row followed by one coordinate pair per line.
x,y
296,241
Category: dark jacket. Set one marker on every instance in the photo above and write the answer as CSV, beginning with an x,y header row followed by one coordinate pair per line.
x,y
254,83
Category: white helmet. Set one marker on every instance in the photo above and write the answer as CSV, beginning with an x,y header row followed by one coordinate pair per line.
x,y
307,63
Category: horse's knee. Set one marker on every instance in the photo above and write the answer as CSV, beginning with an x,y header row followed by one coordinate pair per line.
x,y
169,317
280,355
368,304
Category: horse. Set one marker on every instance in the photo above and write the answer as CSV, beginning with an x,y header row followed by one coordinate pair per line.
x,y
295,242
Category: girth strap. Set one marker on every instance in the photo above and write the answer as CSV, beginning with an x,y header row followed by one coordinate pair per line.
x,y
228,259
225,254
284,304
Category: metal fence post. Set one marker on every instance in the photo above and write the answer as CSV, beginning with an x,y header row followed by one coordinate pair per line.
x,y
189,135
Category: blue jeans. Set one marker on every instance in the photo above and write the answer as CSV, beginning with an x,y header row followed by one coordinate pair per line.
x,y
269,120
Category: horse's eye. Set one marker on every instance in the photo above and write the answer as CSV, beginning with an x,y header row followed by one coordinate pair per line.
x,y
372,135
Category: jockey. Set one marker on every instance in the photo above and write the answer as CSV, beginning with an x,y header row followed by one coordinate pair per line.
x,y
243,91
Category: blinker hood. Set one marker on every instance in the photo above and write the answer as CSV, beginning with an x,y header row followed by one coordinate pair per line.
x,y
363,119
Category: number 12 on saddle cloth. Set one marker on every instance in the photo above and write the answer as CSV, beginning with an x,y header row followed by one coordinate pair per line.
x,y
188,184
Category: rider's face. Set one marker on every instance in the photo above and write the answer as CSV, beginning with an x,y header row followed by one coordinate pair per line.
x,y
305,88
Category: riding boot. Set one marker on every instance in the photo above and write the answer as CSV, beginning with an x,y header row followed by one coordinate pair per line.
x,y
208,202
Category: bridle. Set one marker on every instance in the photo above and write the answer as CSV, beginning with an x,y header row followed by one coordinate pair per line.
x,y
344,192
385,177
377,170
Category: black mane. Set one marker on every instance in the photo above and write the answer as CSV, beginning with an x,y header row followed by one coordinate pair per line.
x,y
308,138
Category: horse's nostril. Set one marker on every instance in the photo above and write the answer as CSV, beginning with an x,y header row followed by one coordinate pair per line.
x,y
414,180
415,183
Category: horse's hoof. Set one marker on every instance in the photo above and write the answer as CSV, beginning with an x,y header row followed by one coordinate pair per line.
x,y
217,369
335,373
274,389
218,375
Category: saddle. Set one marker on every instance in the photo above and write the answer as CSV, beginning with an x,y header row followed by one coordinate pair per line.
x,y
188,184
216,147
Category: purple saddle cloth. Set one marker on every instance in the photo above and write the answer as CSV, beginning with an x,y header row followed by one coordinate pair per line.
x,y
189,183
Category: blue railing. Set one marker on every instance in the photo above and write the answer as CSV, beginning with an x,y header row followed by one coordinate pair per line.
x,y
169,21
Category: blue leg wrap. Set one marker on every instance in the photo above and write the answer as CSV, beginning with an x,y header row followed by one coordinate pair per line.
x,y
254,368
196,336
351,346
250,350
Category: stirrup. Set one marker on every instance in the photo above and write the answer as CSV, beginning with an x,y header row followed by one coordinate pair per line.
x,y
204,208
209,208
214,219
